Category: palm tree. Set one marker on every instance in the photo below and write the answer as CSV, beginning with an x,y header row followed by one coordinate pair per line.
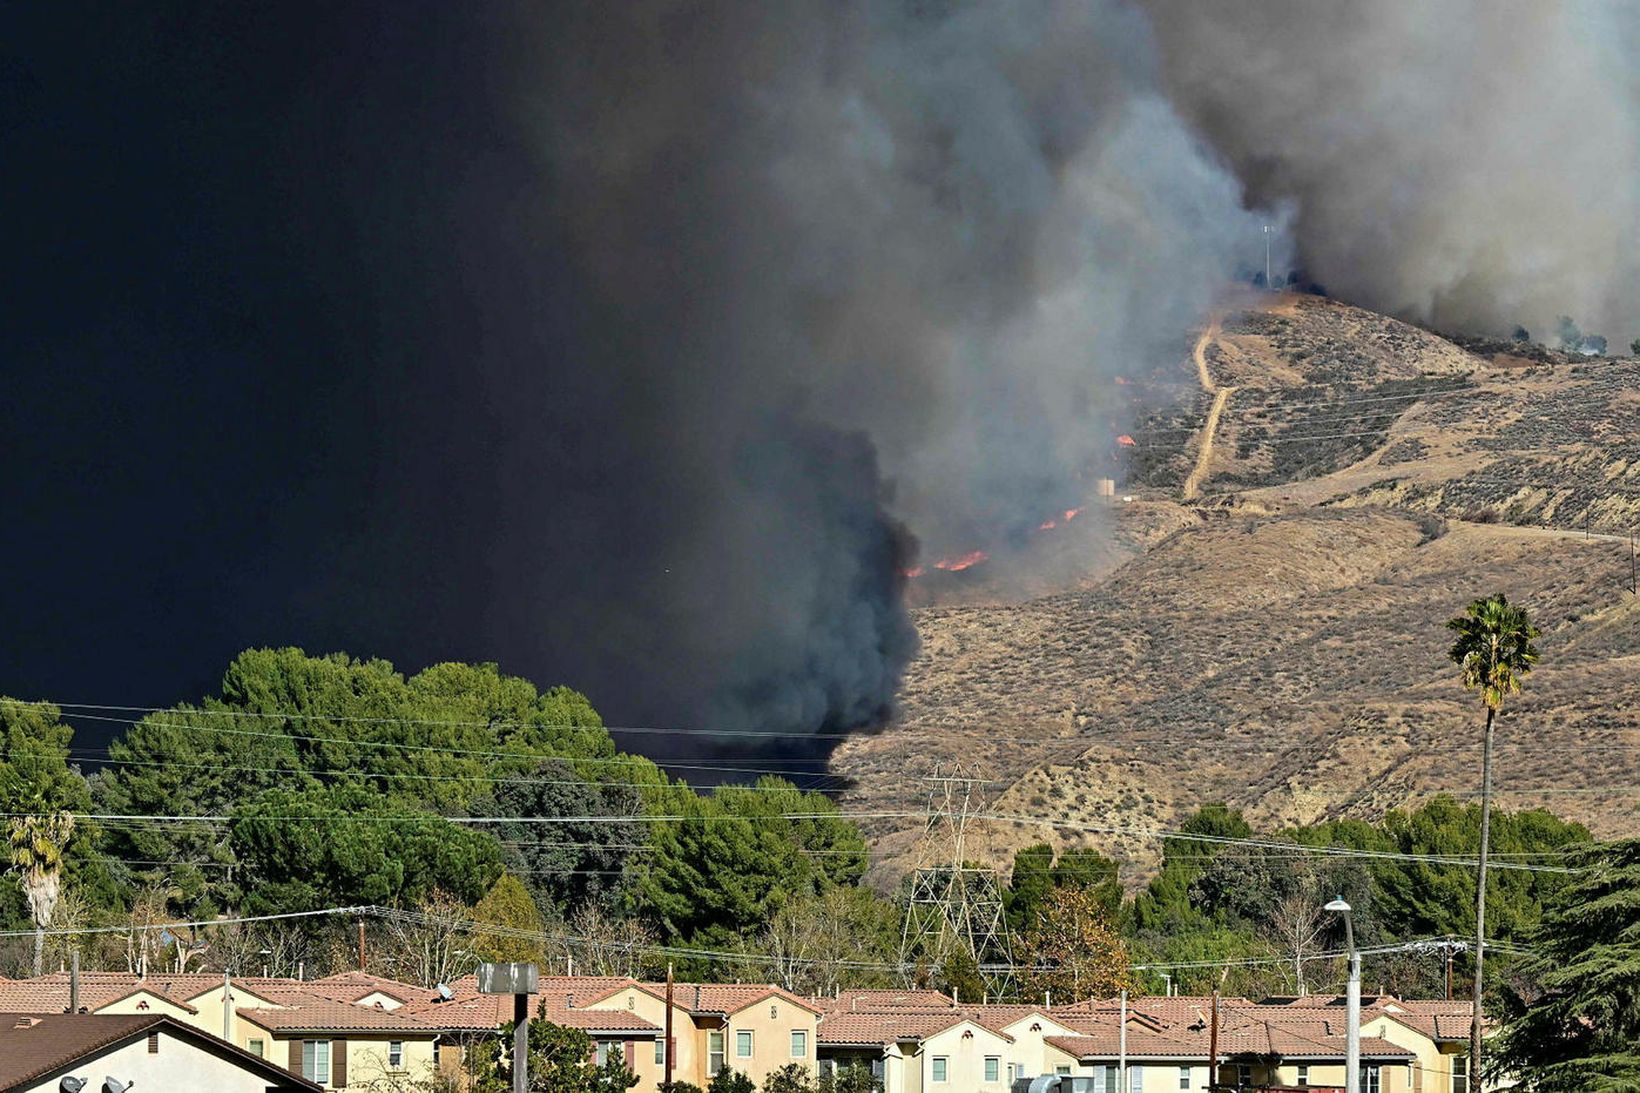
x,y
37,845
1494,650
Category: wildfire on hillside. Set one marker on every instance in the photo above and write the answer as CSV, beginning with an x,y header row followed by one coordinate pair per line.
x,y
956,563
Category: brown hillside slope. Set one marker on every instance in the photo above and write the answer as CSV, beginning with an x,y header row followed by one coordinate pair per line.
x,y
1282,649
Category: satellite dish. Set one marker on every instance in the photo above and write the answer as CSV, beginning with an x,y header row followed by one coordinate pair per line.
x,y
114,1085
166,937
71,1084
444,993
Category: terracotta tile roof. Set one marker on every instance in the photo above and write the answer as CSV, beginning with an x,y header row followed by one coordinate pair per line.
x,y
1105,1043
35,1047
50,994
352,986
470,1011
870,1001
302,1011
725,998
873,1029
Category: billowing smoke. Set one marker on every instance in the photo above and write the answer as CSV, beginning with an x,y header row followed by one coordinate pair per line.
x,y
809,250
1474,163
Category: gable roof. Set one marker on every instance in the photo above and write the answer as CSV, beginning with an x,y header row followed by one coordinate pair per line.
x,y
721,999
50,993
868,1001
302,1011
880,1029
354,985
35,1047
470,1011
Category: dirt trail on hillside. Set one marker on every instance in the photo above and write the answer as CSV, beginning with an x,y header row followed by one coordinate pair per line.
x,y
1221,397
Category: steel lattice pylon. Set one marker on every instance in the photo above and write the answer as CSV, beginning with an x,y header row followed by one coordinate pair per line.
x,y
955,910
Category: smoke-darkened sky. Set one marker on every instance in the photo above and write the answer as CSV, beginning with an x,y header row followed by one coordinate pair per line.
x,y
636,346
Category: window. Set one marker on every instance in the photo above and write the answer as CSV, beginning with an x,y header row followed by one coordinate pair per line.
x,y
877,1069
316,1061
743,1044
607,1050
714,1052
1244,1075
660,1051
435,1054
942,1064
1062,1071
993,1068
1136,1079
1184,1077
1304,1076
258,1048
395,1054
800,1044
1460,1074
1369,1079
153,1043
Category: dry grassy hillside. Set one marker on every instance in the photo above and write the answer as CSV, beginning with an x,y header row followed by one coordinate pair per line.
x,y
1278,644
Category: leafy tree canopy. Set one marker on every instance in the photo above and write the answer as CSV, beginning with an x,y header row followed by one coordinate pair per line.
x,y
306,849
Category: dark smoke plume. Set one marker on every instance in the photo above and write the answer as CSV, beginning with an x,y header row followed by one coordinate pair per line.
x,y
811,249
1472,163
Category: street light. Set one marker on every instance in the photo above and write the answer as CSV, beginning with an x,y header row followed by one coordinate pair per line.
x,y
1352,1016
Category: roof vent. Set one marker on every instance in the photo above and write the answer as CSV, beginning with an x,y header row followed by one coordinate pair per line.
x,y
26,1022
444,992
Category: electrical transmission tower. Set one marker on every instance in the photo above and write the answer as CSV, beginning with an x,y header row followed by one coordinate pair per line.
x,y
955,915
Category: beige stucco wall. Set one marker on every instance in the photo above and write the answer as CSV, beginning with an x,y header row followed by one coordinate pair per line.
x,y
148,1003
1029,1053
178,1066
1433,1070
771,1023
965,1046
689,1058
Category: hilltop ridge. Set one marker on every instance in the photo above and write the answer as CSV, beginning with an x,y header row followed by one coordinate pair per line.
x,y
1276,642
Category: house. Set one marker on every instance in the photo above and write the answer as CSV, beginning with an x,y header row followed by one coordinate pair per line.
x,y
40,1052
1436,1031
337,1044
918,1051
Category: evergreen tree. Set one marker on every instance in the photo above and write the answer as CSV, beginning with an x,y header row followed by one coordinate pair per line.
x,y
1582,1032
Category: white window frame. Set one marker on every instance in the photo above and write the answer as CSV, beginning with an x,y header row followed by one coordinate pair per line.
x,y
395,1054
1460,1074
939,1068
993,1068
744,1036
315,1068
258,1047
660,1051
717,1050
1304,1074
800,1043
1184,1077
1372,1079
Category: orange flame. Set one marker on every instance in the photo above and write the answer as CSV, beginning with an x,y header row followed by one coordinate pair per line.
x,y
913,573
962,561
1125,441
1071,514
1047,525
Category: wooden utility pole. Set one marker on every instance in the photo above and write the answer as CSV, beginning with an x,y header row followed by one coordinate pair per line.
x,y
667,1084
1213,1047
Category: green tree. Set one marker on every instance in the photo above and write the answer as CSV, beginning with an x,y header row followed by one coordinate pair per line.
x,y
1084,867
1494,651
1029,884
720,874
1582,1031
560,1061
307,849
1634,348
1073,949
791,1078
853,1078
39,843
1165,906
729,1080
508,905
575,861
